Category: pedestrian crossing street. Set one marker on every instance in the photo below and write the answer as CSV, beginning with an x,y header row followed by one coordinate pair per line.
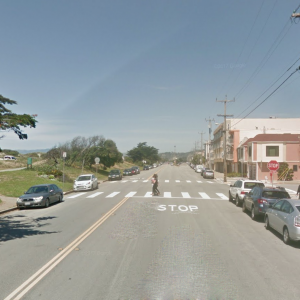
x,y
169,195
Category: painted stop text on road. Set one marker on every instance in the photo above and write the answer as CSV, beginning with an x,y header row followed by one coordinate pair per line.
x,y
173,207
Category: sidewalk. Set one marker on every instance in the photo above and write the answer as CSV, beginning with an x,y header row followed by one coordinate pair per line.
x,y
7,202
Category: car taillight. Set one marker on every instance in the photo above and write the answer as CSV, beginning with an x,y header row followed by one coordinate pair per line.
x,y
297,221
261,201
243,192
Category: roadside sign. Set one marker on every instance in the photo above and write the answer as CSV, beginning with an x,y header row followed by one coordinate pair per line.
x,y
64,154
273,165
97,160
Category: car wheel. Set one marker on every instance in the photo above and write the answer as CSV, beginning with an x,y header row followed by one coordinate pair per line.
x,y
97,186
237,200
244,209
230,197
253,214
47,203
286,236
59,198
267,225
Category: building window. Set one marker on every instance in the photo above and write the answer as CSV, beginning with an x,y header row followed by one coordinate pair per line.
x,y
295,168
250,151
272,151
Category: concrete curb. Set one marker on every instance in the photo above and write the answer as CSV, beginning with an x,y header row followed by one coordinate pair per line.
x,y
8,210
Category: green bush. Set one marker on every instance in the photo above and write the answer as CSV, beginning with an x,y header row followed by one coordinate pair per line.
x,y
51,177
234,175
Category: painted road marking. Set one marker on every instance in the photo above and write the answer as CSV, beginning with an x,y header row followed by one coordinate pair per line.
x,y
185,195
291,191
134,181
209,181
167,195
177,180
131,194
113,182
167,180
199,181
145,180
188,181
148,194
204,195
174,207
222,196
112,194
124,181
75,196
94,195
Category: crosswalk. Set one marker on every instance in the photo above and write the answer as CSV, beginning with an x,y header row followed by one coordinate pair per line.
x,y
165,180
185,195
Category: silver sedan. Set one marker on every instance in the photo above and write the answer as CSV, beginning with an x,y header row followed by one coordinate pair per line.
x,y
284,217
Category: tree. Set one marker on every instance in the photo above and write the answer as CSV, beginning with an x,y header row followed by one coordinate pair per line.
x,y
284,172
143,152
12,121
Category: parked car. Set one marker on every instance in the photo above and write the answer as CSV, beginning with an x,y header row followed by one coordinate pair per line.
x,y
199,168
137,169
114,174
284,217
208,174
260,198
9,157
133,171
127,172
146,167
41,195
85,182
238,190
203,170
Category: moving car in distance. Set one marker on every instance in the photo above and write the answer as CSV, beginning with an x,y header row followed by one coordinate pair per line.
x,y
198,168
238,190
146,167
127,172
137,169
41,195
85,182
258,200
284,217
114,174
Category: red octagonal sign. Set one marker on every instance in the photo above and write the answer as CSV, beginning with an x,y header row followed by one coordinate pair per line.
x,y
273,165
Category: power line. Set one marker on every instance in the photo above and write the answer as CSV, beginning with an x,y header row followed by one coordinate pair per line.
x,y
267,97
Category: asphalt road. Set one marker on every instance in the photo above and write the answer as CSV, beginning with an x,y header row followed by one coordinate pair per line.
x,y
188,243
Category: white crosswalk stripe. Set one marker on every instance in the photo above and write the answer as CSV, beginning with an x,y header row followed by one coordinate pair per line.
x,y
209,181
167,180
199,181
131,194
177,180
145,180
76,195
222,196
188,181
204,195
124,181
167,195
114,181
95,195
148,194
134,180
112,195
185,195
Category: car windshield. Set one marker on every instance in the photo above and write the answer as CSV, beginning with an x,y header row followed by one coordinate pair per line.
x,y
37,190
114,171
84,178
251,185
275,194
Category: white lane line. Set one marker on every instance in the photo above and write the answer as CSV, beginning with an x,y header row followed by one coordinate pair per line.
x,y
204,195
75,196
113,182
177,180
209,181
167,180
112,194
148,194
222,196
95,195
199,181
124,181
167,195
131,194
291,191
134,181
145,180
188,181
185,195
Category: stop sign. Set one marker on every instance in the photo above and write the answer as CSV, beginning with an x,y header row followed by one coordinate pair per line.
x,y
273,165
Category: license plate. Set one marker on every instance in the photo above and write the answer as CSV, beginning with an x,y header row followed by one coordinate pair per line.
x,y
27,203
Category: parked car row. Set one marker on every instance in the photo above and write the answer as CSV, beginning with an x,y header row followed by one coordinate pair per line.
x,y
205,172
274,204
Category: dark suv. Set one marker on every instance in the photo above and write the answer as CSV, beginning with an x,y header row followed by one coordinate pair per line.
x,y
114,174
259,198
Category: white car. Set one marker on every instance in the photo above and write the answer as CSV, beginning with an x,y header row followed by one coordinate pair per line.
x,y
198,168
85,182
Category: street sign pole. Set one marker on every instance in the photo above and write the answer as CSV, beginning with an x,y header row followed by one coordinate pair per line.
x,y
97,160
273,166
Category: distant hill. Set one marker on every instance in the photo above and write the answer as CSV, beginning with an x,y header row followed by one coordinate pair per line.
x,y
33,151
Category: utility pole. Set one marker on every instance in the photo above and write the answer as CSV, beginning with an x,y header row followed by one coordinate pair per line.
x,y
201,145
209,139
225,138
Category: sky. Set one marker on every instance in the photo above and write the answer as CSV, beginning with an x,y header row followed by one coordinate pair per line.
x,y
145,71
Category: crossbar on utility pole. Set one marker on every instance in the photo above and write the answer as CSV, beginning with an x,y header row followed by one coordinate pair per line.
x,y
209,140
225,138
